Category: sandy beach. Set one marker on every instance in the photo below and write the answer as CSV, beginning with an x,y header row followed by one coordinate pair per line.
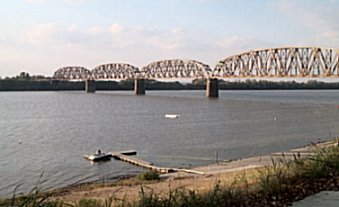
x,y
222,173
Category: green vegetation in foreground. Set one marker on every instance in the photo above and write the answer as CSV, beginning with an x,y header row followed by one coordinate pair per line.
x,y
279,185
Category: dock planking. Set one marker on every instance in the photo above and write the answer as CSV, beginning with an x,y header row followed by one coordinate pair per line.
x,y
125,156
142,163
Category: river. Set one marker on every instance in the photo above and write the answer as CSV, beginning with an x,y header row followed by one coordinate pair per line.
x,y
46,134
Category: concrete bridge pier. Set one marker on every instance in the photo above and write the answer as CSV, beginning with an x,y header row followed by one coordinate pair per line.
x,y
139,87
90,86
212,88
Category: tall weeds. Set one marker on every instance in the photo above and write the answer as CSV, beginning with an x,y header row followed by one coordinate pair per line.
x,y
286,180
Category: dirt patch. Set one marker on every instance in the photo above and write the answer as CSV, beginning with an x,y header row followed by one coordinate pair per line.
x,y
129,189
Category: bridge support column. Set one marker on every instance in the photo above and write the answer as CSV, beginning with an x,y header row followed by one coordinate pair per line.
x,y
90,86
212,88
139,87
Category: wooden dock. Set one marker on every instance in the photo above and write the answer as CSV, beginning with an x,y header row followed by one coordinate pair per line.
x,y
126,152
142,163
125,156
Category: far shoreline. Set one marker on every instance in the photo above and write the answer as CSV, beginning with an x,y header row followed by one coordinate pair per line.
x,y
48,84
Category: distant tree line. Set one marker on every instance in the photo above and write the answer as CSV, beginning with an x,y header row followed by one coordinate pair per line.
x,y
25,82
26,76
274,85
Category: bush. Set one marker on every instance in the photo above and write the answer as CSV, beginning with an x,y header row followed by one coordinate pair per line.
x,y
88,203
148,175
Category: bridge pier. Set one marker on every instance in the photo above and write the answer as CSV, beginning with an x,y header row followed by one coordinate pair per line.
x,y
212,88
90,86
139,87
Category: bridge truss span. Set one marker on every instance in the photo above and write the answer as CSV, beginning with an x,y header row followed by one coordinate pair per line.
x,y
115,71
176,68
281,62
72,73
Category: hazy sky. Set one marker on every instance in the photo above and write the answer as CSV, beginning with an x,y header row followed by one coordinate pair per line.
x,y
40,36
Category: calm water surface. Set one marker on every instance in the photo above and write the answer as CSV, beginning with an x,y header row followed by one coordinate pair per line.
x,y
49,132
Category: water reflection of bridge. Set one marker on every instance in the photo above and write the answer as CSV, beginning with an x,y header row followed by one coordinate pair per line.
x,y
291,62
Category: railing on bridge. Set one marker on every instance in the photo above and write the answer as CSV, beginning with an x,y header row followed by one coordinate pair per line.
x,y
72,73
115,71
176,69
179,69
281,62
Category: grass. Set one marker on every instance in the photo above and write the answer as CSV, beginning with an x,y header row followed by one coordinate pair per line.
x,y
35,198
285,181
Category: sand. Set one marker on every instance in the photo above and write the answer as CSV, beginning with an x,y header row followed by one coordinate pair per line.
x,y
222,173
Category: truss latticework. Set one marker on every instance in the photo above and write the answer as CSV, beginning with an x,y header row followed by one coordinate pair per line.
x,y
281,62
176,69
115,71
72,73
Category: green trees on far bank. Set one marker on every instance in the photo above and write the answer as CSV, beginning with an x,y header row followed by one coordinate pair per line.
x,y
273,85
25,82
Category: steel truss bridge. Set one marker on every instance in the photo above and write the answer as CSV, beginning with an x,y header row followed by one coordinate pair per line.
x,y
176,69
268,63
117,71
281,62
288,62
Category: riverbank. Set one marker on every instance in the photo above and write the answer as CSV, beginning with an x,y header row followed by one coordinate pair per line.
x,y
48,84
222,174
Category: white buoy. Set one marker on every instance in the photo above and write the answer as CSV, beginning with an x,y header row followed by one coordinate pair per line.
x,y
172,116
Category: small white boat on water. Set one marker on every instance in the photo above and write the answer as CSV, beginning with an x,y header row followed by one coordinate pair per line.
x,y
172,116
98,156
